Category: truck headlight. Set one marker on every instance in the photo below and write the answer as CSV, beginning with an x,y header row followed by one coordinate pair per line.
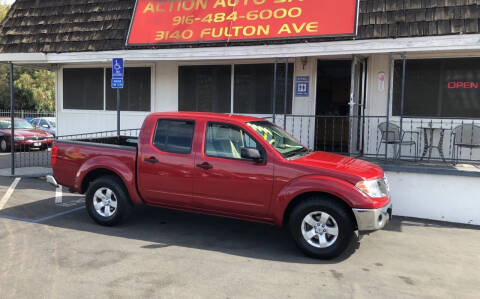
x,y
19,138
374,188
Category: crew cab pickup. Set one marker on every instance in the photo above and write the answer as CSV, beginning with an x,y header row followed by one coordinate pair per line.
x,y
232,166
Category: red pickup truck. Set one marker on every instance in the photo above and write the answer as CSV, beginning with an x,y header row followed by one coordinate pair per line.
x,y
227,165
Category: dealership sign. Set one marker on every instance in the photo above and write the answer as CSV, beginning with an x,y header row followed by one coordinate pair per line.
x,y
194,21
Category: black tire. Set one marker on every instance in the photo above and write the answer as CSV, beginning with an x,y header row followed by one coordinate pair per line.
x,y
123,207
340,215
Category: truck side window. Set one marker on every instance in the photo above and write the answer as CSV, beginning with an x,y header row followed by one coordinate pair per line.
x,y
226,141
174,136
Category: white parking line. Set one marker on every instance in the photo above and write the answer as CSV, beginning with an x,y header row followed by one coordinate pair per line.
x,y
9,193
58,195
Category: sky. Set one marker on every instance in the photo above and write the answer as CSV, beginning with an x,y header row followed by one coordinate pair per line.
x,y
6,1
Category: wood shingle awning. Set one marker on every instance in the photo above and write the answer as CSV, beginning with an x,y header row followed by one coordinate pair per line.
x,y
63,26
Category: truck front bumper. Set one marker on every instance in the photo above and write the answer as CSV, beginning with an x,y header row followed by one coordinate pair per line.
x,y
373,219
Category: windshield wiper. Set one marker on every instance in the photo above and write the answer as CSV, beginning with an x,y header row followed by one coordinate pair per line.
x,y
296,152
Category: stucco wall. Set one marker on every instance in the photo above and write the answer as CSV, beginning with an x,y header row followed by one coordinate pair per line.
x,y
436,197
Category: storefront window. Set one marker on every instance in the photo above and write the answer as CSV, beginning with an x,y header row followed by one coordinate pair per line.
x,y
438,88
136,94
207,88
83,88
204,88
253,91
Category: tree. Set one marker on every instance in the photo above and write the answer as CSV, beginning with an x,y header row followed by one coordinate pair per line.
x,y
3,11
35,91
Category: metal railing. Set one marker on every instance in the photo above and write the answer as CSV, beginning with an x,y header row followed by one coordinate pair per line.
x,y
449,140
28,114
100,137
36,152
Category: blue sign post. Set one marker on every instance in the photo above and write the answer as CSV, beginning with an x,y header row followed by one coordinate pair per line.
x,y
117,83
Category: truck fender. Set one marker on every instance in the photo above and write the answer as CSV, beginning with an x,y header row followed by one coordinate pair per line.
x,y
111,164
316,184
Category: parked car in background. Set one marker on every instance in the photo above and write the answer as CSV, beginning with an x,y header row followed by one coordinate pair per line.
x,y
227,165
26,135
47,124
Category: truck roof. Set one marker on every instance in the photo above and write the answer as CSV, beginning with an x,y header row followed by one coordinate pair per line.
x,y
210,116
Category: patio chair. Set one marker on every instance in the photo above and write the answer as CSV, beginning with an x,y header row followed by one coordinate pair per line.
x,y
465,136
396,136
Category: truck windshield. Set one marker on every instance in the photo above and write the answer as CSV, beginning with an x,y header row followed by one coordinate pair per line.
x,y
281,141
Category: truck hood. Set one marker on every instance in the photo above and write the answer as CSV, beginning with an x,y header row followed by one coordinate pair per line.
x,y
345,168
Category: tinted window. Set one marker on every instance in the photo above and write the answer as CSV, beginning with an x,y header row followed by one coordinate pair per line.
x,y
174,136
83,88
438,88
226,141
136,93
254,88
204,88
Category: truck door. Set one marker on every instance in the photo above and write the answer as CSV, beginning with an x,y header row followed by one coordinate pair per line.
x,y
166,163
225,182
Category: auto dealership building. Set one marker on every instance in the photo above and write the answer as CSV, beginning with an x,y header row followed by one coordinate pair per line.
x,y
330,72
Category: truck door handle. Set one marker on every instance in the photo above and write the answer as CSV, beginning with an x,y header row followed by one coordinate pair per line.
x,y
205,165
151,160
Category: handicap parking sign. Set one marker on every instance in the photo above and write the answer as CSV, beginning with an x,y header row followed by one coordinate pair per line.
x,y
117,68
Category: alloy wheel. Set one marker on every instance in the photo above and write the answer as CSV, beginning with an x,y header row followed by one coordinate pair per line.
x,y
105,202
320,229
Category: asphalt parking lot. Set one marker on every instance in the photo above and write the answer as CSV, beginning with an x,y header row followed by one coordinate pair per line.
x,y
49,248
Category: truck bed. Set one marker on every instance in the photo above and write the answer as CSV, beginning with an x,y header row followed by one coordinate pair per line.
x,y
75,157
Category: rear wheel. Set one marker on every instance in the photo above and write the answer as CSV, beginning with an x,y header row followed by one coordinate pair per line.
x,y
321,227
107,201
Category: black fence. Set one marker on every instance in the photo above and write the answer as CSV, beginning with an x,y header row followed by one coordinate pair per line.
x,y
101,137
36,151
392,138
28,114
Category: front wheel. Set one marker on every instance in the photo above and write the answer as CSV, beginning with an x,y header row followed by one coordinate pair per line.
x,y
321,227
107,201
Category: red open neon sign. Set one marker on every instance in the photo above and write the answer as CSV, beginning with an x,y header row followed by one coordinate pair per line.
x,y
463,85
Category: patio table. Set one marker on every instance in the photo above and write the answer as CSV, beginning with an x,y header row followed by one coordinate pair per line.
x,y
428,133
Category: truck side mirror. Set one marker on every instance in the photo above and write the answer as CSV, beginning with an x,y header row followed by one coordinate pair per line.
x,y
250,153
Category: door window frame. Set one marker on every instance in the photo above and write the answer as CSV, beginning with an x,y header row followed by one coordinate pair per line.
x,y
152,145
263,152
